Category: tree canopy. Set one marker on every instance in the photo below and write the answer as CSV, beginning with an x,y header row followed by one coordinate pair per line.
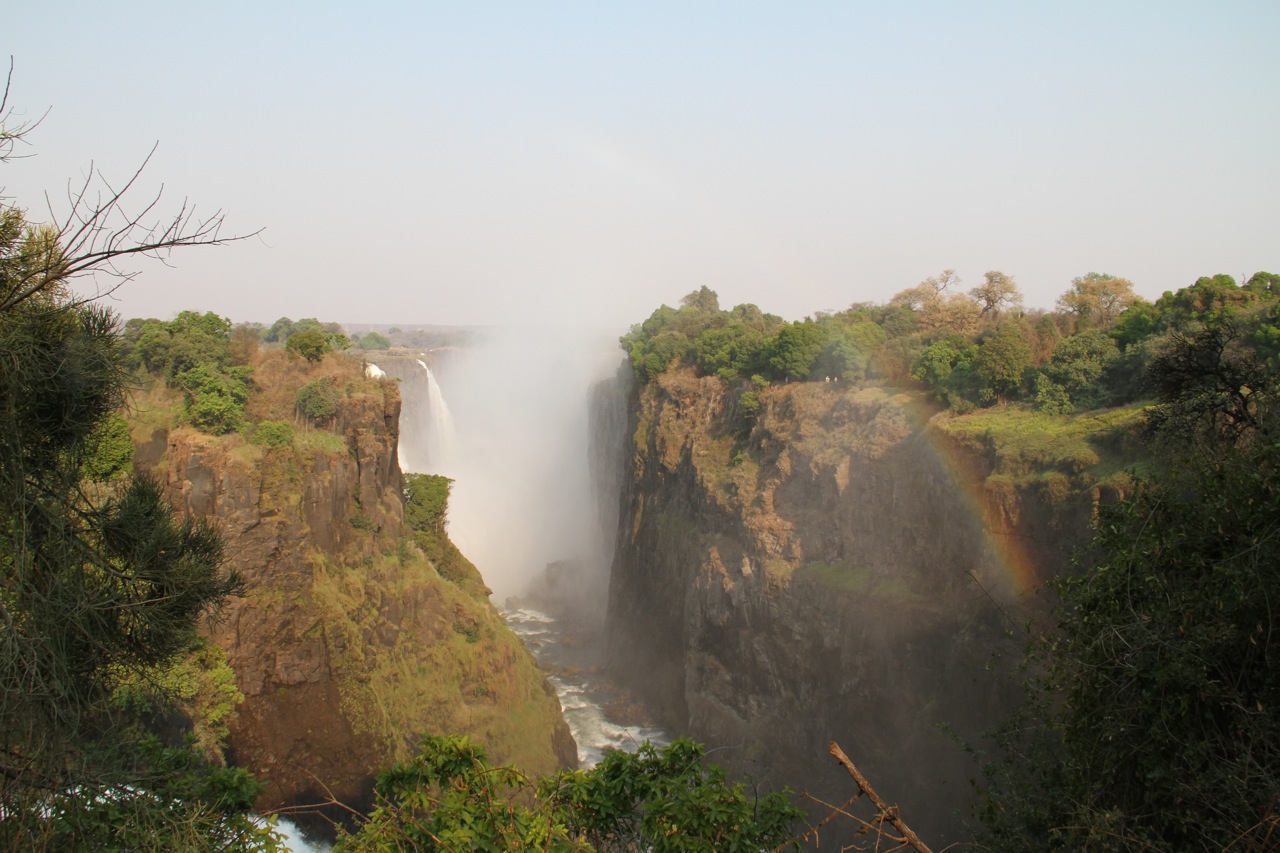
x,y
966,349
667,800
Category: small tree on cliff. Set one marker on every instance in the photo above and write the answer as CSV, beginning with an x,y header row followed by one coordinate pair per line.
x,y
310,345
1001,361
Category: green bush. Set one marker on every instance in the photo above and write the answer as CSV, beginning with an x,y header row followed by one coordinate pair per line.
x,y
663,800
426,501
318,399
215,398
110,449
274,434
373,340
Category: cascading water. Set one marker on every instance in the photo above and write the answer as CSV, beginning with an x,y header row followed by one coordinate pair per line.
x,y
439,437
532,439
427,434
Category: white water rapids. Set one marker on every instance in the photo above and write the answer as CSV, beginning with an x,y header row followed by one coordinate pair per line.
x,y
584,697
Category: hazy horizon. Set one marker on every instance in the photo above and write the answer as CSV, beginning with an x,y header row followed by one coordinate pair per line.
x,y
572,163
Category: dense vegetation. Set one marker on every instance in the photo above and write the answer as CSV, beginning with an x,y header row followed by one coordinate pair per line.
x,y
1153,713
966,349
664,800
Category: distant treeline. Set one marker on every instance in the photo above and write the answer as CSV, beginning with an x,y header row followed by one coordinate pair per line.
x,y
967,348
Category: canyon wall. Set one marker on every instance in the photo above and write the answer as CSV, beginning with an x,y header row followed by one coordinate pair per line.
x,y
348,645
835,563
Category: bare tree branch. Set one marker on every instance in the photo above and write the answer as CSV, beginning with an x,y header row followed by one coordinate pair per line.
x,y
99,232
10,133
885,812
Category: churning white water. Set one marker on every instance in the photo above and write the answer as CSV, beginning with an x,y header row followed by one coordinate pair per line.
x,y
295,841
584,696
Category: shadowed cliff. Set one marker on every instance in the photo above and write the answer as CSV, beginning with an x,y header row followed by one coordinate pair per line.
x,y
838,563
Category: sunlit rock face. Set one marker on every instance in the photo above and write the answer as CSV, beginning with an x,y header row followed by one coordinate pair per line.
x,y
348,645
290,729
833,568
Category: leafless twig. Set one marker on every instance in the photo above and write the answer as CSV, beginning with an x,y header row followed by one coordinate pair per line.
x,y
98,232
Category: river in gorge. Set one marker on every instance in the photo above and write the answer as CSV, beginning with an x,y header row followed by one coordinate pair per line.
x,y
600,716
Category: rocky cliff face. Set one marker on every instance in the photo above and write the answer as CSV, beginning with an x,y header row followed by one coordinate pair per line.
x,y
348,645
831,566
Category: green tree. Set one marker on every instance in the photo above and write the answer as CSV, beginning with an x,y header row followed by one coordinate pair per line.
x,y
1265,337
311,345
318,400
1264,285
664,800
95,585
1209,383
1080,365
279,331
703,299
189,340
945,368
728,351
1137,323
1002,360
794,349
275,434
215,398
98,582
1212,299
109,450
1097,298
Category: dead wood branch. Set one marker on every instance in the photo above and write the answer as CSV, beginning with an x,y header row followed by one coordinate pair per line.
x,y
884,812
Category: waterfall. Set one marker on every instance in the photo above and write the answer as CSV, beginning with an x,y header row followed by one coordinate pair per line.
x,y
440,435
428,442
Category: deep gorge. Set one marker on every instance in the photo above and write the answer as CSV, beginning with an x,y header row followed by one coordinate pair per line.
x,y
847,569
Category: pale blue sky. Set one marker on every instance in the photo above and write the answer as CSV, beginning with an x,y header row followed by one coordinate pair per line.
x,y
584,162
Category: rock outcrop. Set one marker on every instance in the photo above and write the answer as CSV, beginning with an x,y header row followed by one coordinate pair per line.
x,y
348,645
836,564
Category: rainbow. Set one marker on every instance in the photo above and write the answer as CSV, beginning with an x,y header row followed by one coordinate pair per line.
x,y
1011,567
